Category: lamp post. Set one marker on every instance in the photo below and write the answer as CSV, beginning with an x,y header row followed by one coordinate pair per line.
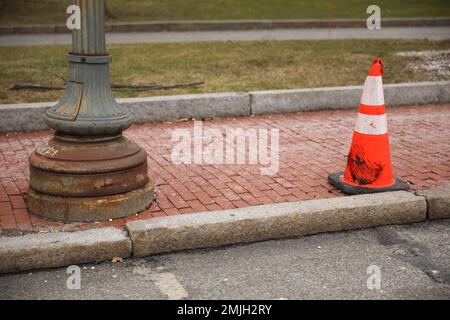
x,y
88,171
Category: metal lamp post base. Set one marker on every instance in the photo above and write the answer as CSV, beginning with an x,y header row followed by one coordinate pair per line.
x,y
82,179
88,171
88,209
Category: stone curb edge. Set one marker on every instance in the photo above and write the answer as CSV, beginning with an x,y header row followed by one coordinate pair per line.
x,y
28,117
220,228
227,25
49,250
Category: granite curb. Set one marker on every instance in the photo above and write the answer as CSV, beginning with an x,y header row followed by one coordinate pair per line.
x,y
51,250
438,202
220,228
28,117
274,221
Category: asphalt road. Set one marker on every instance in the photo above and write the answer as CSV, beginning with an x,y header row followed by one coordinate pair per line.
x,y
413,262
433,33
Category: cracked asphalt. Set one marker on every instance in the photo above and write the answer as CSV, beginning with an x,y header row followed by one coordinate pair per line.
x,y
413,260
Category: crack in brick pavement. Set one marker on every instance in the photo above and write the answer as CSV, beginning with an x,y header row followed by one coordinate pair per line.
x,y
312,145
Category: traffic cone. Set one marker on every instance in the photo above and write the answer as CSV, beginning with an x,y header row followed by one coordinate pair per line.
x,y
369,168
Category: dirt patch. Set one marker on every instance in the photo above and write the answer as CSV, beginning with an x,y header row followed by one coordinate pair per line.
x,y
435,63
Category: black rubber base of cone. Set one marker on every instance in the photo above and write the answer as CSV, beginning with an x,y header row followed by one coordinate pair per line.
x,y
336,180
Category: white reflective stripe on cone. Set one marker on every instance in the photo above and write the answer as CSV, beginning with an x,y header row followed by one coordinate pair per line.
x,y
368,124
373,91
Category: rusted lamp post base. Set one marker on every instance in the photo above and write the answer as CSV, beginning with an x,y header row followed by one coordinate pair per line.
x,y
88,179
88,171
88,209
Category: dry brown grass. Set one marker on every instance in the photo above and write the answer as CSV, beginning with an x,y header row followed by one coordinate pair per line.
x,y
54,11
223,66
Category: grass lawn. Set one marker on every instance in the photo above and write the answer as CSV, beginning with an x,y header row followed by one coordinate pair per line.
x,y
54,11
223,66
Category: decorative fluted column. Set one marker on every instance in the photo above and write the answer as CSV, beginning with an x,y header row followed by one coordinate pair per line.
x,y
88,171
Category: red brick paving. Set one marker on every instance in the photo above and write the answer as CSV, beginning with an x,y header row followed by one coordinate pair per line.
x,y
312,145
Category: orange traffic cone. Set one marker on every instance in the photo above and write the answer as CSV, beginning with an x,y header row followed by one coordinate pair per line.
x,y
369,166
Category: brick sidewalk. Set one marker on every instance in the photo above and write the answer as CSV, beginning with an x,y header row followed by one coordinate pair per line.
x,y
312,145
